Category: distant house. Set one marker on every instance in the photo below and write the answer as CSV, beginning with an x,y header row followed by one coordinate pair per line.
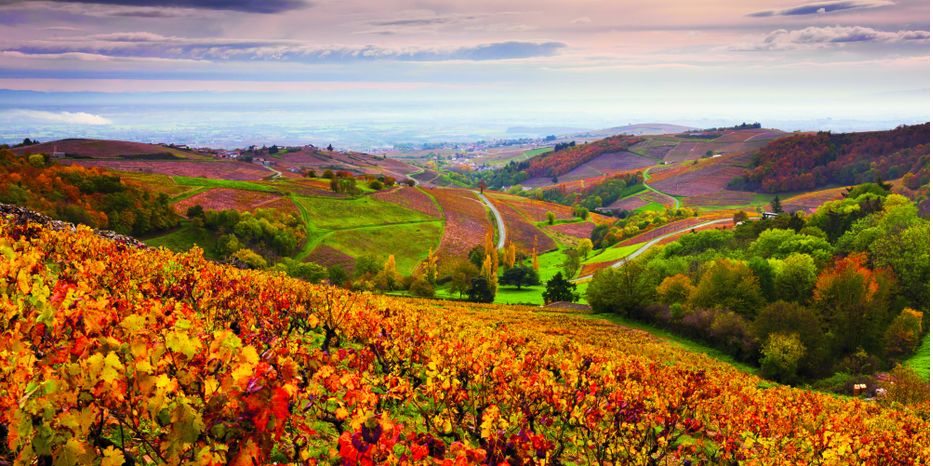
x,y
56,154
769,214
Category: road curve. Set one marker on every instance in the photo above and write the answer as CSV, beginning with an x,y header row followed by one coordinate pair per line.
x,y
500,224
654,241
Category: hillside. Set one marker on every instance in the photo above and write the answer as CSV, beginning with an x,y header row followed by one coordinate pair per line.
x,y
172,358
814,160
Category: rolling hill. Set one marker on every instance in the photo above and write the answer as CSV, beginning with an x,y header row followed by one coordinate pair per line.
x,y
170,357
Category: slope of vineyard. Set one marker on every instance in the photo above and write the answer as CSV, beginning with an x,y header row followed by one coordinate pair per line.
x,y
171,358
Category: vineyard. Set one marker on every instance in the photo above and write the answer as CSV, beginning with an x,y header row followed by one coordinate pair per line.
x,y
466,221
171,358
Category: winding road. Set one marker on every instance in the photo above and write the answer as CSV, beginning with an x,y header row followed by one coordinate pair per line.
x,y
654,241
500,224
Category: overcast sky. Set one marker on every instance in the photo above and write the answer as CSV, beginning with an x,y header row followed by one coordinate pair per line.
x,y
660,59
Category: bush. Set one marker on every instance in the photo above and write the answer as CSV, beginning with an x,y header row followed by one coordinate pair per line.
x,y
480,291
903,335
781,355
422,288
906,388
250,258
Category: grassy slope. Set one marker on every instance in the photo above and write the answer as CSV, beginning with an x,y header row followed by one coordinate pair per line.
x,y
364,225
920,361
676,340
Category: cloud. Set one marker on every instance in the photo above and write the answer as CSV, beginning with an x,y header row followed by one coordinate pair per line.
x,y
820,8
71,118
582,20
246,6
816,37
155,46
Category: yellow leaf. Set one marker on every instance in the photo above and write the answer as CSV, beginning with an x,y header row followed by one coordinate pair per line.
x,y
341,413
112,457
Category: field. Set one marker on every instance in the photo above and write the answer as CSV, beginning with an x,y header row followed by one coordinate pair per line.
x,y
467,222
341,230
520,231
97,148
577,229
409,242
277,370
810,201
721,199
607,257
662,230
341,214
237,199
709,176
533,209
225,170
604,165
411,198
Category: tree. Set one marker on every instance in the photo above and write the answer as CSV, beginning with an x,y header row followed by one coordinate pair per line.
x,y
510,255
571,261
796,276
902,337
776,205
675,289
789,318
482,186
195,211
781,355
730,285
367,265
422,288
429,267
519,276
388,278
560,289
625,290
480,291
739,217
550,217
330,148
585,246
476,255
853,301
462,274
490,273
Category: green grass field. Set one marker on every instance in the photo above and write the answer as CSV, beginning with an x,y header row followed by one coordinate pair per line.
x,y
216,183
654,207
534,152
338,214
612,254
184,237
920,361
408,242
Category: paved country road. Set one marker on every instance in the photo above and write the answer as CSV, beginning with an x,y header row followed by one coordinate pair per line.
x,y
500,224
654,241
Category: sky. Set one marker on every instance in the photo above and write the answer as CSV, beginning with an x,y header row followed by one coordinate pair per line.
x,y
573,63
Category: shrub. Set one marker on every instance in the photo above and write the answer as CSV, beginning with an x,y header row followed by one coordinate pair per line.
x,y
781,355
250,258
422,288
902,337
